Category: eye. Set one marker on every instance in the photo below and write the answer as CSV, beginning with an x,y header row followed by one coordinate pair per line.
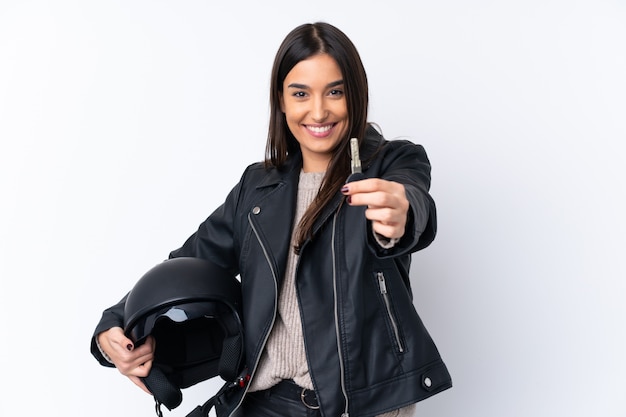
x,y
335,92
299,94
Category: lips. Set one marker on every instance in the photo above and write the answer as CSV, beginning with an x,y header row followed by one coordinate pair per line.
x,y
320,130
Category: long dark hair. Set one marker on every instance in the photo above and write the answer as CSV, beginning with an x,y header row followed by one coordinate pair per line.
x,y
302,43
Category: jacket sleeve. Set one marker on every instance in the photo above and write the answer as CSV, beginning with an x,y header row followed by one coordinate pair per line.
x,y
214,240
111,317
216,237
408,164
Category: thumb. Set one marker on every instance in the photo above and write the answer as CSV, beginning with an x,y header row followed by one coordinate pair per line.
x,y
119,337
127,343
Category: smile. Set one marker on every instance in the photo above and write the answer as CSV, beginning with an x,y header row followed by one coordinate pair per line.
x,y
320,130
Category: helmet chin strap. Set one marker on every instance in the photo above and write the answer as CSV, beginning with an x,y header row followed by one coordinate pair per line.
x,y
163,390
157,408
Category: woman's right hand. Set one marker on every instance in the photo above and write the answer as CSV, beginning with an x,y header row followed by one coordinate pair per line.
x,y
134,362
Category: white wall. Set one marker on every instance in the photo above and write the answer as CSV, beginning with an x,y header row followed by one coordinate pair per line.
x,y
124,123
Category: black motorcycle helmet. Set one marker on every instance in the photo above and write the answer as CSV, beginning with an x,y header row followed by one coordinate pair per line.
x,y
192,308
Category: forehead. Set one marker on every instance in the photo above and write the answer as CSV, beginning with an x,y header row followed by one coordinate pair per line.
x,y
318,68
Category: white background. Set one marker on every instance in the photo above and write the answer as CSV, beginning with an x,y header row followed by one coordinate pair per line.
x,y
124,123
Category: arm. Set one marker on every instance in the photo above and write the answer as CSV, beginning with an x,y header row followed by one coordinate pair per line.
x,y
111,317
111,347
399,204
215,238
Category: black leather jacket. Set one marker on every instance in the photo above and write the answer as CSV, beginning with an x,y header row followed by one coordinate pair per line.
x,y
367,349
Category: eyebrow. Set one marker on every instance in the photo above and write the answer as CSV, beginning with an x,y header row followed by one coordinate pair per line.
x,y
306,87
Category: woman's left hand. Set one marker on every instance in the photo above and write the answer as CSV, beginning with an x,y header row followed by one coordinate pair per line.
x,y
387,205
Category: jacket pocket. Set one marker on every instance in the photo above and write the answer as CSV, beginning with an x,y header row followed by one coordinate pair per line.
x,y
388,306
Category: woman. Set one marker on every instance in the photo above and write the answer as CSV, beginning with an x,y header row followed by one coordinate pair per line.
x,y
330,327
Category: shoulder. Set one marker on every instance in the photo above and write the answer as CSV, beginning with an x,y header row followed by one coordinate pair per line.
x,y
255,168
259,175
405,148
384,151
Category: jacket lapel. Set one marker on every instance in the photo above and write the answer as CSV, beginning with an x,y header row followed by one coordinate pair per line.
x,y
273,212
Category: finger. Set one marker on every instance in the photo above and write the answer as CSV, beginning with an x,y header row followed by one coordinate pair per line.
x,y
388,230
146,347
144,369
117,340
140,370
133,362
364,186
386,216
113,344
126,343
143,361
386,222
371,199
380,200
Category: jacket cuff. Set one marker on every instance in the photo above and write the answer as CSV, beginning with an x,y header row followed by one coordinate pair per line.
x,y
102,352
100,356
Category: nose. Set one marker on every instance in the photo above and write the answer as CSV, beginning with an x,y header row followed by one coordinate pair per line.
x,y
319,112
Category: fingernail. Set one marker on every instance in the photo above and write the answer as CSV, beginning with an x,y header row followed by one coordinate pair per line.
x,y
345,189
349,199
129,346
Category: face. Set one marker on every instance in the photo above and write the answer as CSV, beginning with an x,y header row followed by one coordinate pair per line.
x,y
315,108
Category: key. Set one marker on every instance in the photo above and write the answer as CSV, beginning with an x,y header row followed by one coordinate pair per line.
x,y
355,163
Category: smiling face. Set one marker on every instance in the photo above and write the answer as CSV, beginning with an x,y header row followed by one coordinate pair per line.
x,y
315,108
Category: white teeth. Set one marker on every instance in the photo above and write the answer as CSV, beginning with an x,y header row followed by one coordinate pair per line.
x,y
319,129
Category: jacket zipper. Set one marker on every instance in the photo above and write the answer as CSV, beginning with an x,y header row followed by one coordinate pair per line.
x,y
267,335
339,350
383,290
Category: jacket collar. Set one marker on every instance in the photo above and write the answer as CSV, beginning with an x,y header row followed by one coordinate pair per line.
x,y
290,171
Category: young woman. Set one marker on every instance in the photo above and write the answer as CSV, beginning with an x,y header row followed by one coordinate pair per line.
x,y
330,326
